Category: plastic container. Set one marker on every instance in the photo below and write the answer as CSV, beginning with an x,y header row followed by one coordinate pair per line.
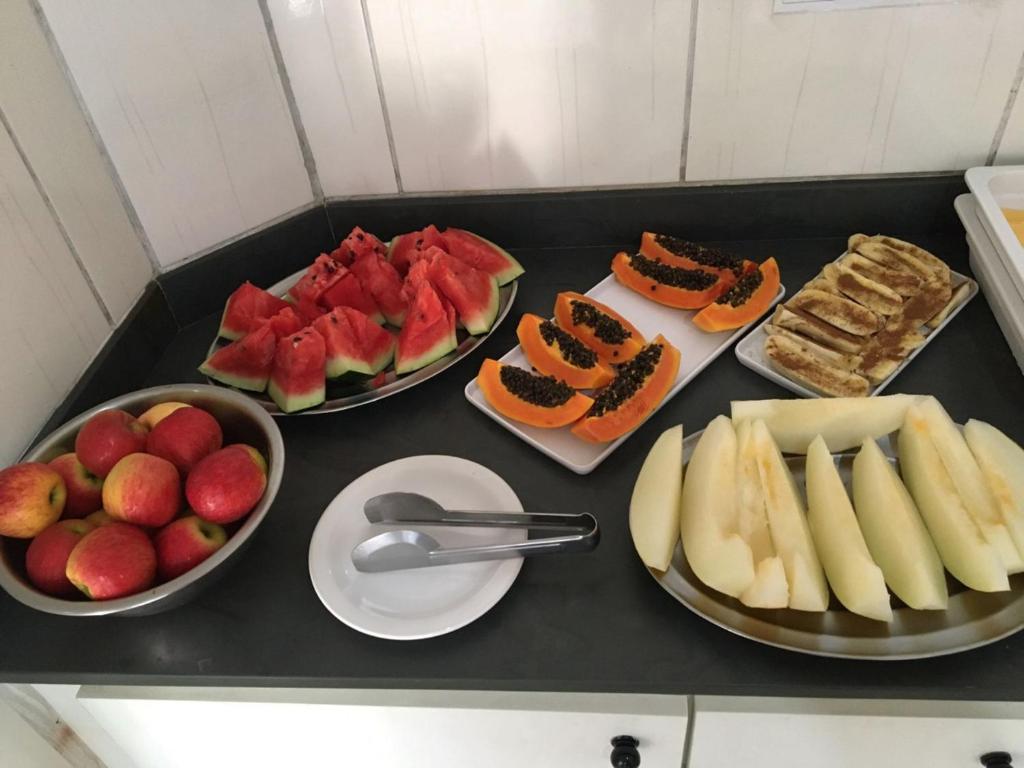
x,y
996,188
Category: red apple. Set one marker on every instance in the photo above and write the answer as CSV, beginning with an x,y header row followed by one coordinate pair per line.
x,y
226,485
112,561
99,517
184,544
159,412
142,489
107,438
184,437
31,498
47,557
84,489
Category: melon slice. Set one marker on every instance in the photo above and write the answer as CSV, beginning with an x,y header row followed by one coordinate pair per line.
x,y
852,572
482,254
1002,463
473,293
245,363
970,483
428,333
298,378
769,588
286,322
842,421
894,532
320,276
246,309
349,292
381,281
791,534
654,506
958,539
354,343
718,555
403,249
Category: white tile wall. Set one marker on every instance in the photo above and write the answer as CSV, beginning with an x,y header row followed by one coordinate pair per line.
x,y
45,117
1011,148
534,93
187,99
50,323
886,90
327,56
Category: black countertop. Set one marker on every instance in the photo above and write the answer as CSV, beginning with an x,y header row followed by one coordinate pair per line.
x,y
595,622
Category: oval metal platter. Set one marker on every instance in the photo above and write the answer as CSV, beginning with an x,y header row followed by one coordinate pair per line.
x,y
972,619
349,393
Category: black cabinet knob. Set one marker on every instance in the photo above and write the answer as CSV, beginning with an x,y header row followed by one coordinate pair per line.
x,y
997,760
625,753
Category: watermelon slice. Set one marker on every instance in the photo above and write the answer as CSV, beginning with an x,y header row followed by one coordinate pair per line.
x,y
383,283
402,248
354,343
356,245
419,273
297,378
349,292
245,363
246,310
428,333
286,322
473,293
308,310
320,276
482,254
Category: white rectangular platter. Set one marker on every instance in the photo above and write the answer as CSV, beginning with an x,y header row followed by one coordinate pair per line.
x,y
697,350
750,351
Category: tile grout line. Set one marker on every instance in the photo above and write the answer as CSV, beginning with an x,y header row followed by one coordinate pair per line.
x,y
293,107
101,147
380,93
56,219
691,58
1011,101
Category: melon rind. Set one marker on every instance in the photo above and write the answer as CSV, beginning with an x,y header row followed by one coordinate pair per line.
x,y
295,402
514,268
250,384
430,355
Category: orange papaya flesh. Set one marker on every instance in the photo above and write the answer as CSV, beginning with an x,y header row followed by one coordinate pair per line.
x,y
677,252
540,401
746,301
634,394
672,286
600,327
557,353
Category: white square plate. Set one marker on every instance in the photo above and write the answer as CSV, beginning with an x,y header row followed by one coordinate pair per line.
x,y
697,350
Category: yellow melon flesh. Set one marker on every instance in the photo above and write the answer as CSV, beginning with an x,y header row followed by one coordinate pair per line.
x,y
960,543
843,422
852,573
970,483
769,588
718,555
1002,463
654,507
894,532
787,521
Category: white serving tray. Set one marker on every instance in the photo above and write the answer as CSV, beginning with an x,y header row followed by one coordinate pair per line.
x,y
995,188
1007,305
697,350
750,351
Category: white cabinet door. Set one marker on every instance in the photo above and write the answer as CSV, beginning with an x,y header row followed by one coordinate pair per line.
x,y
161,727
810,733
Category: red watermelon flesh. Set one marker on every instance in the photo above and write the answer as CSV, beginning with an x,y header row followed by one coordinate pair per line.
x,y
349,292
246,310
321,275
360,243
402,249
428,333
297,379
342,254
286,322
383,283
483,254
473,293
245,363
419,273
307,310
354,342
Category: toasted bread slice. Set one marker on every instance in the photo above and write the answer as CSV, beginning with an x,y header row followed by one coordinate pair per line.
x,y
873,295
854,240
795,363
902,282
923,306
893,259
930,260
830,356
798,321
883,354
835,310
958,297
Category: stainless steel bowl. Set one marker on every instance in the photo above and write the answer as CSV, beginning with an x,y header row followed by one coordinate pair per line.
x,y
242,420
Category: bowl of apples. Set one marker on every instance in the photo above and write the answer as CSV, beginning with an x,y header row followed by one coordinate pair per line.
x,y
137,505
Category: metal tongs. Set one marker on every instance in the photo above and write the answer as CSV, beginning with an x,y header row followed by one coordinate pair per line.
x,y
403,549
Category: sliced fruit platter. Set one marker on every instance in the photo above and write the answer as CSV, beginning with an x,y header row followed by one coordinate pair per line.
x,y
364,321
579,383
915,523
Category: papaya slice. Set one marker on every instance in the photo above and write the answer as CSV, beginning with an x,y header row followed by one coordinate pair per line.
x,y
746,301
557,353
677,287
600,327
634,394
540,401
677,252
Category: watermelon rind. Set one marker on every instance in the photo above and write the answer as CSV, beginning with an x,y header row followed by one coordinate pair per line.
x,y
240,382
428,356
298,358
513,269
291,403
442,324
